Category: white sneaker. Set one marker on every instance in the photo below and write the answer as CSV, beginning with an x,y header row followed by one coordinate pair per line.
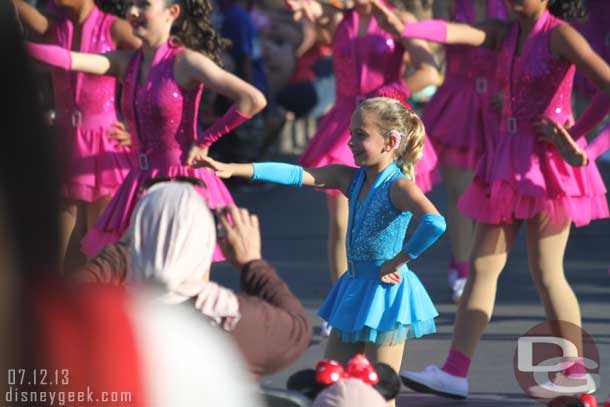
x,y
436,381
564,385
458,289
325,329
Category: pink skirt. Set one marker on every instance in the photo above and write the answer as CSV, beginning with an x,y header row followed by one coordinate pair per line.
x,y
94,167
460,123
512,183
115,219
329,146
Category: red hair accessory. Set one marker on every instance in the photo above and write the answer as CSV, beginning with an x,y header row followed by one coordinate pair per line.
x,y
393,91
359,367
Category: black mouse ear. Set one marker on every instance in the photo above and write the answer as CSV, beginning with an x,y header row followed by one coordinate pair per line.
x,y
389,382
566,401
304,382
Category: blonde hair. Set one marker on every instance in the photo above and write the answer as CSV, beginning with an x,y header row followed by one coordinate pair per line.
x,y
393,115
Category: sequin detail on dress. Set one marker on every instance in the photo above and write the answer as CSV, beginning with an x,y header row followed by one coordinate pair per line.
x,y
85,109
163,118
522,177
360,307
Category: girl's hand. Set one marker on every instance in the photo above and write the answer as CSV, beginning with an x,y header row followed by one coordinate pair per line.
x,y
389,272
387,20
554,133
196,156
222,170
119,133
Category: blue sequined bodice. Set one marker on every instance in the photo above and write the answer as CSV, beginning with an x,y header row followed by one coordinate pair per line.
x,y
377,229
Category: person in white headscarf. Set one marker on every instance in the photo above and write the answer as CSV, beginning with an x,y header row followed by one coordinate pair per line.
x,y
172,237
170,241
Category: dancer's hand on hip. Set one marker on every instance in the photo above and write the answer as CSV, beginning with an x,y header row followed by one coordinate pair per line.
x,y
389,272
387,20
196,156
554,133
118,132
241,242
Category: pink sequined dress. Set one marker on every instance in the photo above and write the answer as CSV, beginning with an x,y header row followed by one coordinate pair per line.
x,y
458,118
85,109
522,177
364,67
163,119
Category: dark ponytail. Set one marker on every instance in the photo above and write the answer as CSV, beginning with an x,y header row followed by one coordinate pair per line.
x,y
567,9
194,29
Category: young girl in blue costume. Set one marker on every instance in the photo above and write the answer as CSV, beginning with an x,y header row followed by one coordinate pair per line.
x,y
379,302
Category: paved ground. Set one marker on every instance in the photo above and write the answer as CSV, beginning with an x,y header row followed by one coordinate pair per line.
x,y
294,240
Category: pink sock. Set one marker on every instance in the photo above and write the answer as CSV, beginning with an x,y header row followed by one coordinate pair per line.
x,y
457,363
462,267
452,265
576,368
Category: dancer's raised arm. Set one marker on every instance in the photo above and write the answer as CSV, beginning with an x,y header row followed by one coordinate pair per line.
x,y
486,34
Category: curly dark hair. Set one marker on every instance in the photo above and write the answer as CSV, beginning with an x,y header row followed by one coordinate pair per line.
x,y
194,29
567,9
116,7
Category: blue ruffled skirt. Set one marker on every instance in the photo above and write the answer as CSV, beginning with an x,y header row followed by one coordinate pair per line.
x,y
360,308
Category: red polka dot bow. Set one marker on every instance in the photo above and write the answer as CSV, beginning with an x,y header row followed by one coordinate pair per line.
x,y
359,367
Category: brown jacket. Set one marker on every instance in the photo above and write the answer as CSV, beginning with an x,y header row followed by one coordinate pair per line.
x,y
274,329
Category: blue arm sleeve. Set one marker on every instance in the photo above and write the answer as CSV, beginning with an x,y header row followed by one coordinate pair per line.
x,y
430,228
278,173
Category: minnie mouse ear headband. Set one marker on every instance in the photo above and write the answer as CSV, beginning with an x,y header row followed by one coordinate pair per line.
x,y
359,367
306,383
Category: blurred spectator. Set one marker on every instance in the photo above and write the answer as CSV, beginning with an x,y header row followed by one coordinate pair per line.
x,y
245,49
268,323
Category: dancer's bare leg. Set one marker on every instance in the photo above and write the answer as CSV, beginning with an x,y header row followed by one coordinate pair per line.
x,y
341,351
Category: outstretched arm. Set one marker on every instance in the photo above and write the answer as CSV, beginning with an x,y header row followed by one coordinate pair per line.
x,y
328,177
407,197
111,63
486,34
